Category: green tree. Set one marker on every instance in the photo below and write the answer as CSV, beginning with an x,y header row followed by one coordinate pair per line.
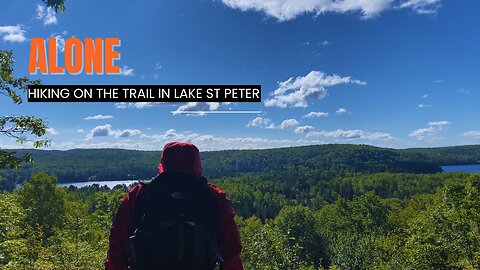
x,y
44,203
456,224
298,224
352,229
22,128
57,5
13,247
266,248
18,127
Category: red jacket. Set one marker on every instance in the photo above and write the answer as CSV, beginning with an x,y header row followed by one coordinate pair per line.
x,y
173,157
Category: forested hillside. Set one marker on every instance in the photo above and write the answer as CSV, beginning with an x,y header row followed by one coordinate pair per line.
x,y
324,161
382,221
452,155
306,208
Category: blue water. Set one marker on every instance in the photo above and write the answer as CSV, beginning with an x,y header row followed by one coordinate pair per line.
x,y
109,184
462,168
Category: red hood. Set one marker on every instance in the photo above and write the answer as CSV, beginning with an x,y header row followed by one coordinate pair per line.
x,y
180,156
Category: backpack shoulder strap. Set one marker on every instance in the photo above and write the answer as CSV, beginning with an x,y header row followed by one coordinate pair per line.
x,y
140,202
215,217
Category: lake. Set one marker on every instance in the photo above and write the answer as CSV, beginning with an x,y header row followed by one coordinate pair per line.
x,y
475,168
110,184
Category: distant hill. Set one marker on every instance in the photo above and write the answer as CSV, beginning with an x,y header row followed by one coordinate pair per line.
x,y
452,155
328,161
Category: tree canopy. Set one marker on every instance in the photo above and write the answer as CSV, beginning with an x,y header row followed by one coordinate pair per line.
x,y
21,128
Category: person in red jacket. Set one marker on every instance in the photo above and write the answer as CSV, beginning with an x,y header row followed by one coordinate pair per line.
x,y
176,156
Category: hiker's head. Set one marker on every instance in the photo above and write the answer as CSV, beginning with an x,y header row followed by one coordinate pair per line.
x,y
180,156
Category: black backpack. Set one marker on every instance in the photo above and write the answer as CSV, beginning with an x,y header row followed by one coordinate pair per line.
x,y
176,219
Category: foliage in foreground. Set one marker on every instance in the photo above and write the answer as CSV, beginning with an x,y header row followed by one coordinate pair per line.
x,y
46,227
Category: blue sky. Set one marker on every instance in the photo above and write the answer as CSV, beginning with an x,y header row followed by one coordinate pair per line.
x,y
394,73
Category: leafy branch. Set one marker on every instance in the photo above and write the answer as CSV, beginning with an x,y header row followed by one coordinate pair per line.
x,y
57,5
21,128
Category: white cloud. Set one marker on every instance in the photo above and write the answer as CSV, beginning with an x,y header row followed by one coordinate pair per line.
x,y
297,92
100,131
47,15
107,131
60,41
143,105
51,131
121,105
325,43
137,105
430,132
184,108
439,123
199,106
472,133
127,133
346,134
352,134
126,71
304,129
157,67
339,133
439,81
379,136
425,96
205,142
13,33
423,106
99,117
341,111
268,124
422,6
315,114
284,10
259,122
423,133
289,123
213,142
80,130
140,105
170,133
